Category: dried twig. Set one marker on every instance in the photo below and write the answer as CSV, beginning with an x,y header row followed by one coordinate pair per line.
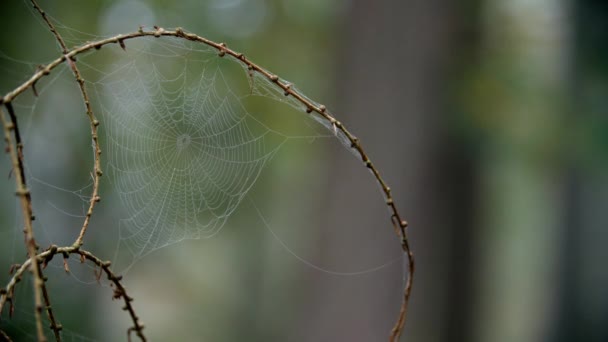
x,y
120,292
94,123
16,154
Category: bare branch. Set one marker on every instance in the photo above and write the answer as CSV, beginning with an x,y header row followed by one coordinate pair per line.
x,y
94,123
16,155
120,292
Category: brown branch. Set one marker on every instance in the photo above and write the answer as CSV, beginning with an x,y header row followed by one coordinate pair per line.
x,y
64,48
120,292
400,225
16,155
94,123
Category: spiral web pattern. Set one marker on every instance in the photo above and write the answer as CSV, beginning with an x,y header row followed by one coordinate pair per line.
x,y
182,150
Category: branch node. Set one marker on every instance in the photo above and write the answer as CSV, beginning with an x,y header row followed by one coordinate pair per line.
x,y
159,31
222,48
22,192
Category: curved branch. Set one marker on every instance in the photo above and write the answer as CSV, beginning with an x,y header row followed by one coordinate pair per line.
x,y
6,294
399,224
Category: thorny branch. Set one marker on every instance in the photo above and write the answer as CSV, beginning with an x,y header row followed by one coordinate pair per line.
x,y
399,224
120,292
15,150
93,123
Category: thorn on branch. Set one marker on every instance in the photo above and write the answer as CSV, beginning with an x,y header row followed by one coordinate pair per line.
x,y
34,89
66,266
117,294
222,49
13,268
159,31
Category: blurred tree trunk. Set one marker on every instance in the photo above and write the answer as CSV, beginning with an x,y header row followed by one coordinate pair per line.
x,y
582,310
393,78
519,103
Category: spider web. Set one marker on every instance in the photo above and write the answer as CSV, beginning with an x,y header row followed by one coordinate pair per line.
x,y
182,149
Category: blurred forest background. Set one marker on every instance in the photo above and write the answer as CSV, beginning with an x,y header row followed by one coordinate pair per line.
x,y
488,119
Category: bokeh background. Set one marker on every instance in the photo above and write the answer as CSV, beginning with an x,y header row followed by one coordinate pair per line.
x,y
488,118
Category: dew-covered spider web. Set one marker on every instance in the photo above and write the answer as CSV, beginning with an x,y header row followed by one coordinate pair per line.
x,y
182,149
